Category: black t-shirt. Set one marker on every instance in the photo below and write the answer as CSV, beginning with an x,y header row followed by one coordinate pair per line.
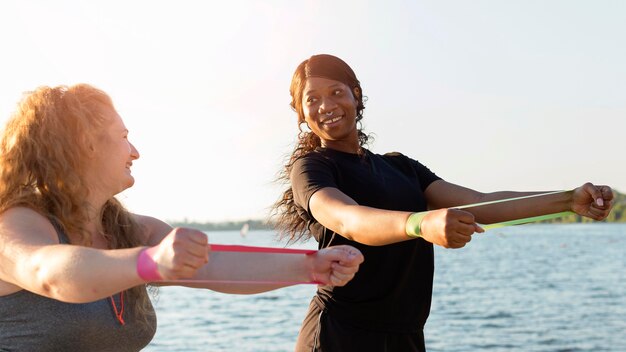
x,y
393,287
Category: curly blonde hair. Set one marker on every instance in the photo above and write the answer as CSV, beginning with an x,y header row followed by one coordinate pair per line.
x,y
45,152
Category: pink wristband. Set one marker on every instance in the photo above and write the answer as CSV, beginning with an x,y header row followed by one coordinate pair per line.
x,y
147,268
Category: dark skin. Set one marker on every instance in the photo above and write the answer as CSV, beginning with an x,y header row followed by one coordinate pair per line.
x,y
329,108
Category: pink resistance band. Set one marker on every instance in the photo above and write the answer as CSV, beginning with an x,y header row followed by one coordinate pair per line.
x,y
149,271
250,249
147,268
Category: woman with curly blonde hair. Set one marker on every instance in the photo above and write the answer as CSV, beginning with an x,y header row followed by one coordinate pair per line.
x,y
74,263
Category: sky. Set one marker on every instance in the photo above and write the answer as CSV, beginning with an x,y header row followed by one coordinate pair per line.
x,y
492,95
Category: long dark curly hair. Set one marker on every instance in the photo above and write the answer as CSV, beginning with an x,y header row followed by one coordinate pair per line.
x,y
286,219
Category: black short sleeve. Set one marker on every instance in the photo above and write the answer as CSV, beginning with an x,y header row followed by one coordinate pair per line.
x,y
308,175
399,300
413,168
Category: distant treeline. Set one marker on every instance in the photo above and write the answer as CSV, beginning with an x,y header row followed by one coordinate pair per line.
x,y
618,214
224,226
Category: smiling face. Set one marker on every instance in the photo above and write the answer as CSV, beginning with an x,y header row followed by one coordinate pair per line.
x,y
330,110
114,157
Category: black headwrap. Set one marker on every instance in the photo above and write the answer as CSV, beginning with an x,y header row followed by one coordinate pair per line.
x,y
331,67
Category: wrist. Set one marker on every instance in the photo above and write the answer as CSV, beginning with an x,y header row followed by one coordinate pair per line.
x,y
413,226
310,267
147,268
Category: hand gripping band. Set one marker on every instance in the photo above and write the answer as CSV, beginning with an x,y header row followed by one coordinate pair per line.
x,y
147,268
413,224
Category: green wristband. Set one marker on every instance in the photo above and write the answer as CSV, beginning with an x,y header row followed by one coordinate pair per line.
x,y
413,224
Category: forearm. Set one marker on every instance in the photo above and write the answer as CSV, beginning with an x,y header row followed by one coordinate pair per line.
x,y
442,194
372,226
79,274
249,273
518,209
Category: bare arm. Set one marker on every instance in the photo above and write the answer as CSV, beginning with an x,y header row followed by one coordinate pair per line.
x,y
450,228
32,259
334,266
340,213
587,200
239,272
376,227
442,194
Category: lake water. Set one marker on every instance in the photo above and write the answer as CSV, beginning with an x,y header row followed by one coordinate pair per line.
x,y
525,288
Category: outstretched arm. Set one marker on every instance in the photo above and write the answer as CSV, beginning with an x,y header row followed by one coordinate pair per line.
x,y
375,227
247,273
372,226
587,200
31,258
185,254
444,225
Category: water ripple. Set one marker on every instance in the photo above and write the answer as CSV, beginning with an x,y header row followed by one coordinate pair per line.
x,y
538,288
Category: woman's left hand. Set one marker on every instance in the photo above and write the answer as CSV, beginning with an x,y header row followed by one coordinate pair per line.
x,y
336,265
592,201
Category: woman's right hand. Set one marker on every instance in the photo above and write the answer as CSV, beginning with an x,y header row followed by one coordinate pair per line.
x,y
180,254
449,228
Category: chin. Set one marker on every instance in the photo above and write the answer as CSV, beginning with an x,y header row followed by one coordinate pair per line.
x,y
129,184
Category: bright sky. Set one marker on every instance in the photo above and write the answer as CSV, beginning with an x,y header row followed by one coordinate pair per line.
x,y
492,95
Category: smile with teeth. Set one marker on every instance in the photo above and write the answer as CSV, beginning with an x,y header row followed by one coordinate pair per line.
x,y
333,120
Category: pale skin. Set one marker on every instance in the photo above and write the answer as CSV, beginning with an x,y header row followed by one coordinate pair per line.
x,y
329,108
32,259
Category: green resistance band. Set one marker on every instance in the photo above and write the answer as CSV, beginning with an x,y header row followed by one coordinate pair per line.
x,y
519,221
414,221
526,220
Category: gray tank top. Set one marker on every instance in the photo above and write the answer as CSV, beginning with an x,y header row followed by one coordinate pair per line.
x,y
30,322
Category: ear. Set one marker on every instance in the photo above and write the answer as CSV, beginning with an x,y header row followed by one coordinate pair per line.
x,y
357,92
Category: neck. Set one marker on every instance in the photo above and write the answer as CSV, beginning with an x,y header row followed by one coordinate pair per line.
x,y
94,213
343,148
348,145
96,232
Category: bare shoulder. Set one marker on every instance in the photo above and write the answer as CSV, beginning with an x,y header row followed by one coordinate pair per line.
x,y
22,231
26,225
154,229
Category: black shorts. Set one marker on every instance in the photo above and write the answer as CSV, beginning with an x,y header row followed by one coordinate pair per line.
x,y
320,332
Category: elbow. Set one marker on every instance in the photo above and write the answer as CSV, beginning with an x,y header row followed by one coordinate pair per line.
x,y
348,229
353,233
361,232
47,283
56,288
55,284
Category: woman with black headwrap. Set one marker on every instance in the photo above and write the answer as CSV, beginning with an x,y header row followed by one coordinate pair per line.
x,y
342,193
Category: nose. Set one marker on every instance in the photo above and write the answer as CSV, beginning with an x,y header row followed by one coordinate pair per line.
x,y
327,105
134,153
